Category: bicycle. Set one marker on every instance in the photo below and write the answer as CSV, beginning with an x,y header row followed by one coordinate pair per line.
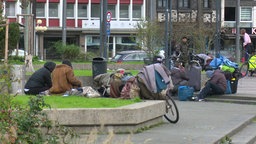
x,y
249,66
172,112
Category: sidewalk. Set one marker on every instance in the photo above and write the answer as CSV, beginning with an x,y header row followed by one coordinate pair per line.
x,y
202,122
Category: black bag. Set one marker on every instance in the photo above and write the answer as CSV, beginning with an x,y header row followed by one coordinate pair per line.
x,y
233,85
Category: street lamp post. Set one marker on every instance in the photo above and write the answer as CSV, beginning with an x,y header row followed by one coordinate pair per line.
x,y
40,29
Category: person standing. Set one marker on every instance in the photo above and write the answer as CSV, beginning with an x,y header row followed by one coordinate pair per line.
x,y
63,78
247,44
40,81
217,84
183,48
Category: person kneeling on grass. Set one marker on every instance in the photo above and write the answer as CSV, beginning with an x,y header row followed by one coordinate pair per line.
x,y
63,78
215,85
40,81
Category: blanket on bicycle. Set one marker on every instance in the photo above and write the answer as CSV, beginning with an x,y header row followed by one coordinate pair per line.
x,y
151,79
221,60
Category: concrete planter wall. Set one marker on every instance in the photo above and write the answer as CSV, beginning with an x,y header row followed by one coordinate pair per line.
x,y
124,119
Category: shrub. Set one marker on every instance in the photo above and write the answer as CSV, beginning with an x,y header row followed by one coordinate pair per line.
x,y
19,124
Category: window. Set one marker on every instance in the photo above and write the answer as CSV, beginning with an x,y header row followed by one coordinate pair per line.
x,y
136,11
124,11
183,4
82,10
206,4
95,10
70,10
230,14
10,9
40,10
161,3
53,10
246,14
112,9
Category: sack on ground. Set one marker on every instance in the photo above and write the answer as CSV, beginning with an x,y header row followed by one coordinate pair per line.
x,y
185,93
116,85
130,89
88,91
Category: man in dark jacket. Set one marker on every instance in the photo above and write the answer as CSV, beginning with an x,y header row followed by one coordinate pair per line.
x,y
217,84
179,77
40,81
183,48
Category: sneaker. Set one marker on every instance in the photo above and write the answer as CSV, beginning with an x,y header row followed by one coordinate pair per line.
x,y
194,98
66,94
44,93
201,100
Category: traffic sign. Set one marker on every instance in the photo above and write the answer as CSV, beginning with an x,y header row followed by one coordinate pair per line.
x,y
109,16
108,28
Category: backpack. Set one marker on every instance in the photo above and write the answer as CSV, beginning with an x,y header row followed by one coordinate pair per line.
x,y
117,82
130,89
116,85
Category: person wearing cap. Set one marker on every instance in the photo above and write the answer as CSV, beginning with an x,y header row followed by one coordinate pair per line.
x,y
183,48
63,78
40,81
216,85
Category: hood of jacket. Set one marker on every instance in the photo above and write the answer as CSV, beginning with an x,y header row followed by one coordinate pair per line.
x,y
50,66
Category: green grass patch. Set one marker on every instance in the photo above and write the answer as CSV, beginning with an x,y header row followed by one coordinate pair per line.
x,y
58,101
89,72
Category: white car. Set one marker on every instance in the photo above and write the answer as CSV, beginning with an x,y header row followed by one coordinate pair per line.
x,y
21,52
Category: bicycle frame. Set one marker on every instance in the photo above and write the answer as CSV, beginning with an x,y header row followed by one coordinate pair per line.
x,y
245,67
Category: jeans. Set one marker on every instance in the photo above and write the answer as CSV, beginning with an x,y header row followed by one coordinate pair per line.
x,y
209,89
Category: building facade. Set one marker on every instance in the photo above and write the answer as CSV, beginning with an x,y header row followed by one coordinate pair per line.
x,y
82,23
83,20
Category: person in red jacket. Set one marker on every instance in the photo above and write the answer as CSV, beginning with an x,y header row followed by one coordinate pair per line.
x,y
63,78
217,84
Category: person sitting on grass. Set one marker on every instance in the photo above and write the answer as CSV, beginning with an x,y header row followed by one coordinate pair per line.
x,y
63,78
40,81
217,84
178,76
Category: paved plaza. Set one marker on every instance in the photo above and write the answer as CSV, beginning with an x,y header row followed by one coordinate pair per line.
x,y
202,122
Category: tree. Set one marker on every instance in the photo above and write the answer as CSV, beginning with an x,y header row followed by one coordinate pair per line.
x,y
150,37
14,33
196,35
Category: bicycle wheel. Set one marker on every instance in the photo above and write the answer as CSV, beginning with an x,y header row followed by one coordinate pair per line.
x,y
244,69
172,113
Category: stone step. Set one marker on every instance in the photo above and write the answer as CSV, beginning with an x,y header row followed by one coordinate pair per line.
x,y
238,101
245,136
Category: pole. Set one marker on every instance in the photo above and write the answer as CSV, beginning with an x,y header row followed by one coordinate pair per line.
x,y
26,33
238,31
217,34
64,27
6,42
105,8
170,36
103,28
166,34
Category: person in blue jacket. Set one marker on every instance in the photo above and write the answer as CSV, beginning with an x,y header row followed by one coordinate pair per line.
x,y
40,81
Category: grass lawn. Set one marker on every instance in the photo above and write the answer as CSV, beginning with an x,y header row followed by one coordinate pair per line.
x,y
57,101
89,72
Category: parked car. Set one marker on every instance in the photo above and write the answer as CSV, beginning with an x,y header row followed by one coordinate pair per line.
x,y
128,56
21,52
